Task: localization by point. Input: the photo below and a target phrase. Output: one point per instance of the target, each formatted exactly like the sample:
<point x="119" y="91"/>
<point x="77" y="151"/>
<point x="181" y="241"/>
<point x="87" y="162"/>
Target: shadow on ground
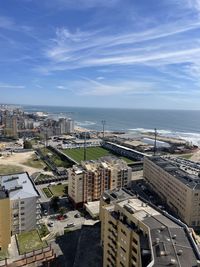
<point x="81" y="248"/>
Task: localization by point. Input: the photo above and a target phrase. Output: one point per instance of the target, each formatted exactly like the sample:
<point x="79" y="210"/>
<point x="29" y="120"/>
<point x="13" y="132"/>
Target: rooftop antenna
<point x="85" y="146"/>
<point x="155" y="147"/>
<point x="103" y="124"/>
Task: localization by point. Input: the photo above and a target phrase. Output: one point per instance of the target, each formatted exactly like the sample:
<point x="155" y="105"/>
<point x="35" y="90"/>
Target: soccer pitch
<point x="92" y="153"/>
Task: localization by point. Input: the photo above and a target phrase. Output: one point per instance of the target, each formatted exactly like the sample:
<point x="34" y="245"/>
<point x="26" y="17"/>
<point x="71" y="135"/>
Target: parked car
<point x="50" y="224"/>
<point x="45" y="212"/>
<point x="70" y="225"/>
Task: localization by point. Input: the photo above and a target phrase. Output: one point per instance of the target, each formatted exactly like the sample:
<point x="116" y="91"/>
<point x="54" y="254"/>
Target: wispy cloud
<point x="61" y="87"/>
<point x="155" y="46"/>
<point x="91" y="87"/>
<point x="81" y="4"/>
<point x="11" y="86"/>
<point x="6" y="22"/>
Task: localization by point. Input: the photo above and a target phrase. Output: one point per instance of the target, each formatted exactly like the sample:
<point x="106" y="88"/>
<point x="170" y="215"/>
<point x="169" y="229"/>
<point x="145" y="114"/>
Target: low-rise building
<point x="135" y="234"/>
<point x="88" y="181"/>
<point x="179" y="190"/>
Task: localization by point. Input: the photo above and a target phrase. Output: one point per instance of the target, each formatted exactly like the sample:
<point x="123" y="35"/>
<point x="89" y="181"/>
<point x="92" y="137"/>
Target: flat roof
<point x="93" y="208"/>
<point x="169" y="240"/>
<point x="115" y="195"/>
<point x="190" y="180"/>
<point x="18" y="186"/>
<point x="3" y="193"/>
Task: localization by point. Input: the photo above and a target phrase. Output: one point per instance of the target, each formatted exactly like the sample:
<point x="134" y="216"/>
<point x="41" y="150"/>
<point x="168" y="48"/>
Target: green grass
<point x="10" y="169"/>
<point x="29" y="241"/>
<point x="55" y="158"/>
<point x="42" y="177"/>
<point x="47" y="192"/>
<point x="67" y="231"/>
<point x="34" y="162"/>
<point x="43" y="230"/>
<point x="185" y="156"/>
<point x="92" y="153"/>
<point x="3" y="255"/>
<point x="58" y="190"/>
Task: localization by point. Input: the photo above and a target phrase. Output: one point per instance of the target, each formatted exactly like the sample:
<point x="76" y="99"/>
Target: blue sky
<point x="104" y="53"/>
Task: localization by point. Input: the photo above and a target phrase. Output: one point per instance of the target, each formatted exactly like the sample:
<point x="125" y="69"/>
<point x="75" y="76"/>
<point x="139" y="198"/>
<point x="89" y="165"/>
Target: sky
<point x="100" y="53"/>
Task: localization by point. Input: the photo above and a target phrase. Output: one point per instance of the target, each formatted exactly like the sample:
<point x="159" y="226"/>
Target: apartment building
<point x="136" y="235"/>
<point x="179" y="190"/>
<point x="88" y="181"/>
<point x="109" y="197"/>
<point x="5" y="217"/>
<point x="23" y="201"/>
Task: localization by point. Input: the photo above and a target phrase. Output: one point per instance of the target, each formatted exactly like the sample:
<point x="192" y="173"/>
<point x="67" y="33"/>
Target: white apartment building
<point x="24" y="204"/>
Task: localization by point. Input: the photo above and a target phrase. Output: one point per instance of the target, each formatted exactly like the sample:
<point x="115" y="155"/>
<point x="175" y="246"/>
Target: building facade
<point x="136" y="235"/>
<point x="179" y="190"/>
<point x="88" y="181"/>
<point x="5" y="220"/>
<point x="23" y="200"/>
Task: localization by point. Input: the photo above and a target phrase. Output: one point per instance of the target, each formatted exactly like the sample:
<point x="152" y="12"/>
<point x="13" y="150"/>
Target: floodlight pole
<point x="103" y="124"/>
<point x="85" y="147"/>
<point x="155" y="140"/>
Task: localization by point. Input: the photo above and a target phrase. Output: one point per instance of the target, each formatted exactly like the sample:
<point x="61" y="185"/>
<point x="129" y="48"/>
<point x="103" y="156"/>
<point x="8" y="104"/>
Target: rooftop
<point x="18" y="186"/>
<point x="190" y="180"/>
<point x="93" y="208"/>
<point x="170" y="242"/>
<point x="3" y="193"/>
<point x="104" y="162"/>
<point x="115" y="195"/>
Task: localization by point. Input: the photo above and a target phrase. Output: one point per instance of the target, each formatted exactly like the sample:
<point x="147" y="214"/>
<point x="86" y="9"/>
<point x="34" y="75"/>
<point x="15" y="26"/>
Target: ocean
<point x="177" y="123"/>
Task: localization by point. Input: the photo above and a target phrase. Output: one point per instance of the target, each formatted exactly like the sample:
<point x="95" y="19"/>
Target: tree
<point x="27" y="144"/>
<point x="62" y="211"/>
<point x="54" y="202"/>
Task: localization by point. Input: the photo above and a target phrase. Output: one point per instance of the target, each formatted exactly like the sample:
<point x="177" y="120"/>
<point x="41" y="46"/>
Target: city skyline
<point x="113" y="53"/>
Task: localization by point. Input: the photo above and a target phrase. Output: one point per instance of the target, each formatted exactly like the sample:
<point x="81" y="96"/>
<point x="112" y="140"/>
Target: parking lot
<point x="189" y="166"/>
<point x="56" y="226"/>
<point x="143" y="190"/>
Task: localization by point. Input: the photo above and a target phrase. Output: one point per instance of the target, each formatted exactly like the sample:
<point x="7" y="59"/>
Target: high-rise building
<point x="88" y="181"/>
<point x="23" y="202"/>
<point x="179" y="190"/>
<point x="66" y="125"/>
<point x="10" y="124"/>
<point x="137" y="235"/>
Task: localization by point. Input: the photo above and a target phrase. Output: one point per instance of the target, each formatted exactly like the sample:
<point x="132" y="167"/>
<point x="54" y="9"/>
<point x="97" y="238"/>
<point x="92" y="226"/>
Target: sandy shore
<point x="81" y="129"/>
<point x="196" y="156"/>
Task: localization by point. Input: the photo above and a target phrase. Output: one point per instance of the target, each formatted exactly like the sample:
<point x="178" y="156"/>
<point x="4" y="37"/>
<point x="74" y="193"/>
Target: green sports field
<point x="92" y="153"/>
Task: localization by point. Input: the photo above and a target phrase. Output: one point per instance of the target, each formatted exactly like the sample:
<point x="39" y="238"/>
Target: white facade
<point x="23" y="196"/>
